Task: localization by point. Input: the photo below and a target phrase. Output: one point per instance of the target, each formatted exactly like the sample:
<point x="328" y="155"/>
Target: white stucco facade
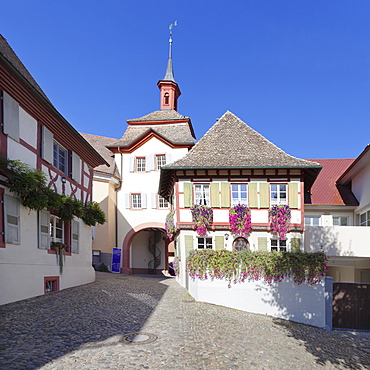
<point x="35" y="134"/>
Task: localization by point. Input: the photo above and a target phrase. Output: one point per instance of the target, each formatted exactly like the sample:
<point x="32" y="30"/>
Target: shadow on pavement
<point x="33" y="332"/>
<point x="338" y="348"/>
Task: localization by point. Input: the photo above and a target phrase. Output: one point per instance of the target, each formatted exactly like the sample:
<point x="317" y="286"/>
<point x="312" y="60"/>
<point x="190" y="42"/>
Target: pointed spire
<point x="169" y="89"/>
<point x="169" y="76"/>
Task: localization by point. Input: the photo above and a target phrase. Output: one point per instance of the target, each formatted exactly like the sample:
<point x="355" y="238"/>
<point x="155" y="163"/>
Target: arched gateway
<point x="145" y="250"/>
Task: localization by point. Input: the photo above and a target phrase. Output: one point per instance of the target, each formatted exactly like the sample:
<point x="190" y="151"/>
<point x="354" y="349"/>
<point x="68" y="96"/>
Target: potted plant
<point x="60" y="249"/>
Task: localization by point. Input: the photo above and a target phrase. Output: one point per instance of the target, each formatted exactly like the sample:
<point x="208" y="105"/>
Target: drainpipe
<point x="118" y="188"/>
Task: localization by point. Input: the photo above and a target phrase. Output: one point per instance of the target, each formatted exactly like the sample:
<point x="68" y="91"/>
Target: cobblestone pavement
<point x="84" y="328"/>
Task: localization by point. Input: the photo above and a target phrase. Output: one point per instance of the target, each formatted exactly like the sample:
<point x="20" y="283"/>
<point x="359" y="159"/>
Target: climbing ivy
<point x="31" y="187"/>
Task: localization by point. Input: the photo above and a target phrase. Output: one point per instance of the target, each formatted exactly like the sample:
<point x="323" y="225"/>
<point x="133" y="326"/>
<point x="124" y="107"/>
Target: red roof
<point x="324" y="191"/>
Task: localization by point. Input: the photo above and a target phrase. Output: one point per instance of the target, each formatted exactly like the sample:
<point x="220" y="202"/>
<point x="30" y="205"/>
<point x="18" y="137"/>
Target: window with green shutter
<point x="253" y="195"/>
<point x="188" y="244"/>
<point x="295" y="245"/>
<point x="215" y="194"/>
<point x="293" y="195"/>
<point x="262" y="244"/>
<point x="264" y="195"/>
<point x="219" y="243"/>
<point x="188" y="195"/>
<point x="225" y="195"/>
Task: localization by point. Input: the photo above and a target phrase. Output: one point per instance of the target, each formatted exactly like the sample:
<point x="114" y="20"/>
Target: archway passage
<point x="240" y="244"/>
<point x="145" y="250"/>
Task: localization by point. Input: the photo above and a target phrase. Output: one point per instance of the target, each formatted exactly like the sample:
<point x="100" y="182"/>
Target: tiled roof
<point x="99" y="143"/>
<point x="324" y="191"/>
<point x="179" y="133"/>
<point x="230" y="143"/>
<point x="160" y="115"/>
<point x="12" y="58"/>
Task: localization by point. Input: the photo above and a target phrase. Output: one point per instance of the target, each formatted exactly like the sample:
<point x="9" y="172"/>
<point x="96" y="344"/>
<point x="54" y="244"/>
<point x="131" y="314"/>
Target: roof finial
<point x="170" y="40"/>
<point x="169" y="71"/>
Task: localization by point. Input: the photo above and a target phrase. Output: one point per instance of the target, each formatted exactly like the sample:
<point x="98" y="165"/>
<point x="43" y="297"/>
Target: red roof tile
<point x="324" y="190"/>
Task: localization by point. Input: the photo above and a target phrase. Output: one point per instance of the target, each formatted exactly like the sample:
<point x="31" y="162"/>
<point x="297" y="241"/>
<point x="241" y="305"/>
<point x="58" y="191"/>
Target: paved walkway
<point x="85" y="328"/>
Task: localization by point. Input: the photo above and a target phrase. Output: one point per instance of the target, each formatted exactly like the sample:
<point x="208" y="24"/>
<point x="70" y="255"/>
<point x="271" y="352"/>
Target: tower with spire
<point x="149" y="143"/>
<point x="169" y="89"/>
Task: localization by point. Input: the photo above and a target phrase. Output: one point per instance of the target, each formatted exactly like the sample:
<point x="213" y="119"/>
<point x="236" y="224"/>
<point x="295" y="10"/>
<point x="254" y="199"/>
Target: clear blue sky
<point x="296" y="71"/>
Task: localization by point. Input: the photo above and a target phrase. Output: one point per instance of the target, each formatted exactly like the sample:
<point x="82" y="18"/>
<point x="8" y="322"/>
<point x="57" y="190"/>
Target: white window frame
<point x="364" y="218"/>
<point x="278" y="190"/>
<point x="55" y="223"/>
<point x="279" y="245"/>
<point x="160" y="160"/>
<point x="340" y="221"/>
<point x="12" y="219"/>
<point x="202" y="194"/>
<point x="136" y="201"/>
<point x="309" y="221"/>
<point x="58" y="149"/>
<point x="162" y="203"/>
<point x="140" y="164"/>
<point x="205" y="241"/>
<point x="236" y="194"/>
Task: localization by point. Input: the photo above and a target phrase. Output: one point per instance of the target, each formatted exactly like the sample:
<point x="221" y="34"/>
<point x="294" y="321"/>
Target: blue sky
<point x="296" y="71"/>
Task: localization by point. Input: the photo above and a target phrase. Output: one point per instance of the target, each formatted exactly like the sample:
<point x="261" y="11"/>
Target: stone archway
<point x="128" y="240"/>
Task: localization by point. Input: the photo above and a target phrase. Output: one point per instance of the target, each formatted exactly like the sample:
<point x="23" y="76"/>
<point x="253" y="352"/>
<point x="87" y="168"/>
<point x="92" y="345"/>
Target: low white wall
<point x="307" y="304"/>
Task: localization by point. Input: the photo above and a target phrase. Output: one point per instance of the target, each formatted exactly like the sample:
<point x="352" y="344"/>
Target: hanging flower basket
<point x="170" y="225"/>
<point x="280" y="220"/>
<point x="202" y="218"/>
<point x="61" y="250"/>
<point x="240" y="220"/>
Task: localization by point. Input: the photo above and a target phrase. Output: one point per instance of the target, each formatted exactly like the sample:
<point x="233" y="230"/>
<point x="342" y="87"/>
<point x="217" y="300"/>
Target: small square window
<point x="204" y="243"/>
<point x="239" y="194"/>
<point x="162" y="203"/>
<point x="140" y="164"/>
<point x="51" y="284"/>
<point x="278" y="194"/>
<point x="278" y="245"/>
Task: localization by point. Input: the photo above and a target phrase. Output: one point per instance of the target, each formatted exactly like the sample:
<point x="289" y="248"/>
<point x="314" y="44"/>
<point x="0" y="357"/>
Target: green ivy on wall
<point x="31" y="187"/>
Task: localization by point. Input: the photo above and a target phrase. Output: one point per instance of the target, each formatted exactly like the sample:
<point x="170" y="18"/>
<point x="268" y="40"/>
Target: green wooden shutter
<point x="293" y="195"/>
<point x="253" y="196"/>
<point x="188" y="244"/>
<point x="295" y="245"/>
<point x="225" y="195"/>
<point x="219" y="243"/>
<point x="264" y="195"/>
<point x="188" y="195"/>
<point x="262" y="244"/>
<point x="215" y="195"/>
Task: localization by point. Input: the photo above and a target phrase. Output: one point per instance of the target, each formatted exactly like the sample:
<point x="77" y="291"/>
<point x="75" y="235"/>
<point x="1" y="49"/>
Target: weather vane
<point x="170" y="40"/>
<point x="172" y="26"/>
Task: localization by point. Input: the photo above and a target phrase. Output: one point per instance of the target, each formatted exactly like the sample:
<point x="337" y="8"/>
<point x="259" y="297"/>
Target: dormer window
<point x="166" y="98"/>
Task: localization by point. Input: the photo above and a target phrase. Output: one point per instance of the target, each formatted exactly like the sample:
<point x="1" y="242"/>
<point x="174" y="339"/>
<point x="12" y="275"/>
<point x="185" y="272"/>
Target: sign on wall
<point x="116" y="260"/>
